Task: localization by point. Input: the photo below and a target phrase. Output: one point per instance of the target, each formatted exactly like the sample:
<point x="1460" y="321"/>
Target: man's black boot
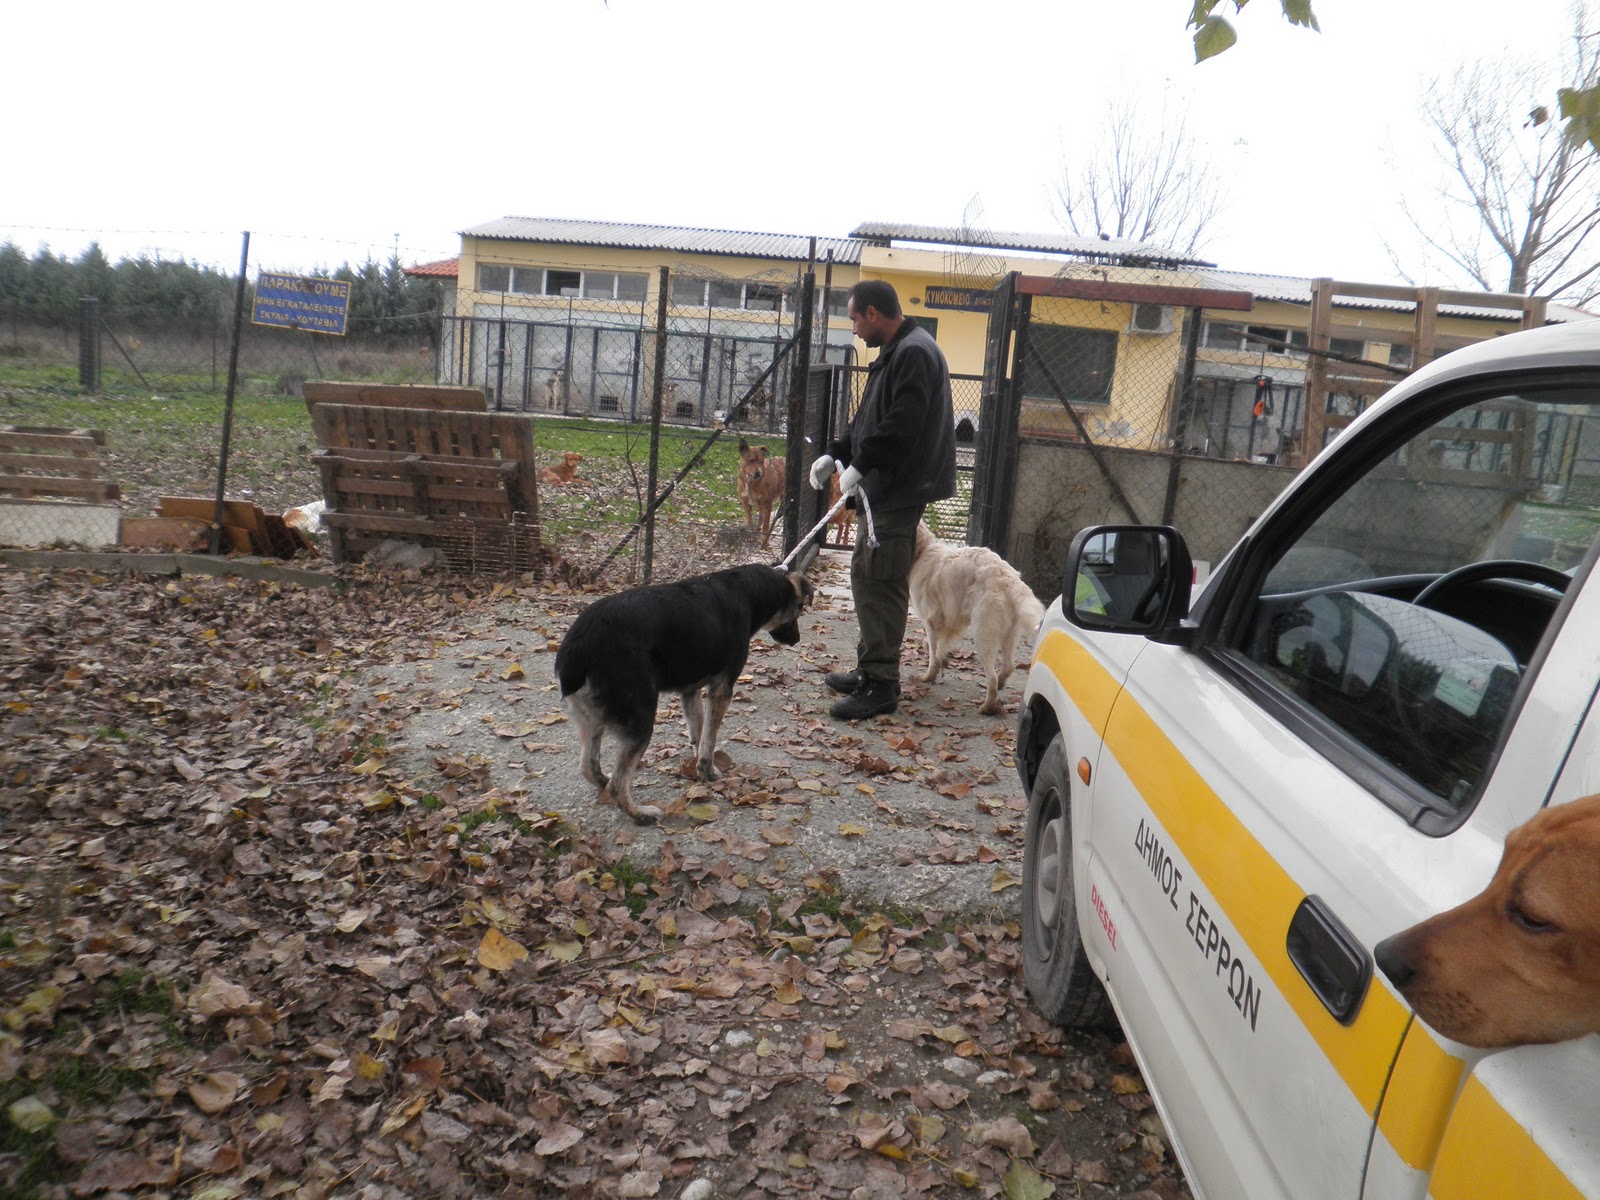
<point x="843" y="682"/>
<point x="874" y="696"/>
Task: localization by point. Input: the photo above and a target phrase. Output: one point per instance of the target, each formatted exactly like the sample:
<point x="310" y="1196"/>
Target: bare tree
<point x="1520" y="197"/>
<point x="1140" y="182"/>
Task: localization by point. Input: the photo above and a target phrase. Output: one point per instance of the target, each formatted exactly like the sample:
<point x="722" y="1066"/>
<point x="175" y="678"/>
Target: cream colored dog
<point x="954" y="588"/>
<point x="1519" y="963"/>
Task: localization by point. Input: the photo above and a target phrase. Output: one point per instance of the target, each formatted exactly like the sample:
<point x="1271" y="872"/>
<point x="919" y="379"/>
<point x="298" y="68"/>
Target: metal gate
<point x="1088" y="396"/>
<point x="834" y="393"/>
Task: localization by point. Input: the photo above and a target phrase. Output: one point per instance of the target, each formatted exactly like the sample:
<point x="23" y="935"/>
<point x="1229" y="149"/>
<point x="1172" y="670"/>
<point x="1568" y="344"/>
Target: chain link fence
<point x="1101" y="409"/>
<point x="640" y="391"/>
<point x="947" y="518"/>
<point x="589" y="368"/>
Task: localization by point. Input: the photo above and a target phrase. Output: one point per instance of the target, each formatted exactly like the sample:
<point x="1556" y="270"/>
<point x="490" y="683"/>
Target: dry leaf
<point x="560" y="1138"/>
<point x="30" y="1114"/>
<point x="402" y="1113"/>
<point x="498" y="952"/>
<point x="215" y="1092"/>
<point x="1007" y="1133"/>
<point x="605" y="1047"/>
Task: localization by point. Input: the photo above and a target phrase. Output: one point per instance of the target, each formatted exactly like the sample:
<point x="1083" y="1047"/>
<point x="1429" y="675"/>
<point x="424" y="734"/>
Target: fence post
<point x="89" y="343"/>
<point x="1185" y="403"/>
<point x="795" y="447"/>
<point x="227" y="404"/>
<point x="656" y="389"/>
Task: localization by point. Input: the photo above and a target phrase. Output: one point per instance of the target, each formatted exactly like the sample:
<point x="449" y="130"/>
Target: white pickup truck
<point x="1233" y="797"/>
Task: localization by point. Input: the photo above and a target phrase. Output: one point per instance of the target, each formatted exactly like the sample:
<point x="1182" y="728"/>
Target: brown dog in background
<point x="957" y="587"/>
<point x="1519" y="963"/>
<point x="844" y="520"/>
<point x="760" y="486"/>
<point x="563" y="472"/>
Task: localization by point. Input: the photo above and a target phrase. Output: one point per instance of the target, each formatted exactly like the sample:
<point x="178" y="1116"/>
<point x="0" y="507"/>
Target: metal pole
<point x="799" y="374"/>
<point x="227" y="404"/>
<point x="1180" y="424"/>
<point x="656" y="390"/>
<point x="89" y="344"/>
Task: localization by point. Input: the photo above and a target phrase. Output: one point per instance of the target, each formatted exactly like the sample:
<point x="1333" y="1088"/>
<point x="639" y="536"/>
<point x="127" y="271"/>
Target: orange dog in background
<point x="1519" y="963"/>
<point x="760" y="486"/>
<point x="563" y="472"/>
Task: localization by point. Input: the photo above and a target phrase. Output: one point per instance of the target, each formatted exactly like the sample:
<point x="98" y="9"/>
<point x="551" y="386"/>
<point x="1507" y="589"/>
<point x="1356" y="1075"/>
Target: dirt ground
<point x="301" y="895"/>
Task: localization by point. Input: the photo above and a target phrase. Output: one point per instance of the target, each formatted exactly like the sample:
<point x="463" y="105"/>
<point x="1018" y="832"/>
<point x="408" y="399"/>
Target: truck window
<point x="1407" y="611"/>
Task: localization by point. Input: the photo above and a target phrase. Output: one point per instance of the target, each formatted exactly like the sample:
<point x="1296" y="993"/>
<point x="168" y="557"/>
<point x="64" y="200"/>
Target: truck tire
<point x="1058" y="975"/>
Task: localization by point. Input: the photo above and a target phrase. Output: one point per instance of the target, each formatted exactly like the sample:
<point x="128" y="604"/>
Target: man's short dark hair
<point x="875" y="293"/>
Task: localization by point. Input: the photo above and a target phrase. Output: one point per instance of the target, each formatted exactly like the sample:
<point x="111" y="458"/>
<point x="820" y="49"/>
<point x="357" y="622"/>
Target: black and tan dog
<point x="691" y="637"/>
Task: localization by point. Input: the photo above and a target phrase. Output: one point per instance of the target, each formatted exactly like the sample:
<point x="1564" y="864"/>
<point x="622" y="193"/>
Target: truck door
<point x="1515" y="1122"/>
<point x="1301" y="780"/>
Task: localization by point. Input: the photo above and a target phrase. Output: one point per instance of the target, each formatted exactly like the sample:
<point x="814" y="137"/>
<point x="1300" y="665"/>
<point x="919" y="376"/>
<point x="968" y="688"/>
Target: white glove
<point x="849" y="481"/>
<point x="820" y="470"/>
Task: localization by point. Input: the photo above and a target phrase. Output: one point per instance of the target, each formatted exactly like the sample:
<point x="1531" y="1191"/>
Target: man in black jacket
<point x="900" y="450"/>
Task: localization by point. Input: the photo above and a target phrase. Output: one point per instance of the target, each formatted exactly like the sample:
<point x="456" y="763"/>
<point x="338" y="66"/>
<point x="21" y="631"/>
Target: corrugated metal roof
<point x="883" y="232"/>
<point x="1291" y="289"/>
<point x="791" y="247"/>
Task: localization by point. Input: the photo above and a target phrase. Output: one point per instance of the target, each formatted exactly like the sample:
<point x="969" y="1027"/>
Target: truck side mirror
<point x="1129" y="579"/>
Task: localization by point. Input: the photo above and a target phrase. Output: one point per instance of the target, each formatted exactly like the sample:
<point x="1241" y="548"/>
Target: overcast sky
<point x="339" y="131"/>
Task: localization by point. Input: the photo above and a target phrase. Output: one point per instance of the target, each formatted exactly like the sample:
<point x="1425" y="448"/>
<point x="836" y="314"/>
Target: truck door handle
<point x="1330" y="959"/>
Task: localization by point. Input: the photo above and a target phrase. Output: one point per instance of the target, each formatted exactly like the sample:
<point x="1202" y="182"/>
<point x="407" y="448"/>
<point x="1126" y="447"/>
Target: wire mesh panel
<point x="591" y="366"/>
<point x="1115" y="422"/>
<point x="947" y="518"/>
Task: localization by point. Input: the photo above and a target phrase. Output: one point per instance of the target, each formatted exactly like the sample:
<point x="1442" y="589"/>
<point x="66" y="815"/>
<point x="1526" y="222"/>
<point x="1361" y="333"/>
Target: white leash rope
<point x="866" y="507"/>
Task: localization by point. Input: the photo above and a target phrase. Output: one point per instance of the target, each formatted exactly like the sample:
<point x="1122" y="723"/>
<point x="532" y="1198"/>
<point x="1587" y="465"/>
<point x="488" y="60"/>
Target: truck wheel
<point x="1059" y="977"/>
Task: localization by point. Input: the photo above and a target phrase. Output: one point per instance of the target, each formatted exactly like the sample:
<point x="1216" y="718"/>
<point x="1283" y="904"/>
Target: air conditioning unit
<point x="1150" y="318"/>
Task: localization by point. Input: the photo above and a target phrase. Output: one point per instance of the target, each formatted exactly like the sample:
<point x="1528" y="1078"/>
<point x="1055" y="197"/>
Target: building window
<point x="1347" y="347"/>
<point x="763" y="297"/>
<point x="631" y="286"/>
<point x="527" y="280"/>
<point x="1080" y="361"/>
<point x="688" y="291"/>
<point x="1219" y="335"/>
<point x="1254" y="339"/>
<point x="1399" y="356"/>
<point x="563" y="283"/>
<point x="726" y="295"/>
<point x="492" y="278"/>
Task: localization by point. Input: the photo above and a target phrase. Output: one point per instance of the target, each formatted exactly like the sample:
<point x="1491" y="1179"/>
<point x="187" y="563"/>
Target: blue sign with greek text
<point x="296" y="302"/>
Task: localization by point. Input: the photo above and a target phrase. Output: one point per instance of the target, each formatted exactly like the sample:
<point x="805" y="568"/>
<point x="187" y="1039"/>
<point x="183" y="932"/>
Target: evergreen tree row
<point x="144" y="292"/>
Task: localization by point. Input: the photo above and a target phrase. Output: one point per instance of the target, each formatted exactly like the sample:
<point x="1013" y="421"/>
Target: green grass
<point x="78" y="1080"/>
<point x="133" y="992"/>
<point x="628" y="877"/>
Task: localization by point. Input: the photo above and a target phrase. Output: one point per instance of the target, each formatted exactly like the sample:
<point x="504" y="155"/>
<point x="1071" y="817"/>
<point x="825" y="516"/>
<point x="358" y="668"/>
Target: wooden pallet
<point x="411" y="474"/>
<point x="394" y="395"/>
<point x="45" y="462"/>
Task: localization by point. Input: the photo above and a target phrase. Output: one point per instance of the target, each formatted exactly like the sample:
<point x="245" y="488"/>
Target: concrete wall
<point x="1060" y="490"/>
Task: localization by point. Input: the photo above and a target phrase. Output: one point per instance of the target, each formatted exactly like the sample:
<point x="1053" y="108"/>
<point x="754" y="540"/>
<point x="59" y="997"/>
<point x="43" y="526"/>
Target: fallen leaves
<point x="297" y="949"/>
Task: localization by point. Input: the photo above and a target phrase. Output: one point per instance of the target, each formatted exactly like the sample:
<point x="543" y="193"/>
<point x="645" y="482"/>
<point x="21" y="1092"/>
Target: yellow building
<point x="559" y="315"/>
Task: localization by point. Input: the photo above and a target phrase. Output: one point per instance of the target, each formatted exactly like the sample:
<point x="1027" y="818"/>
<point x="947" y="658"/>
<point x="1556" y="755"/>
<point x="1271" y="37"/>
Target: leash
<point x="807" y="542"/>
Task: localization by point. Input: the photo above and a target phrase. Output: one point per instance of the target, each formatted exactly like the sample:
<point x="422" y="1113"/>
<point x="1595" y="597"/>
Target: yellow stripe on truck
<point x="1488" y="1153"/>
<point x="1260" y="898"/>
